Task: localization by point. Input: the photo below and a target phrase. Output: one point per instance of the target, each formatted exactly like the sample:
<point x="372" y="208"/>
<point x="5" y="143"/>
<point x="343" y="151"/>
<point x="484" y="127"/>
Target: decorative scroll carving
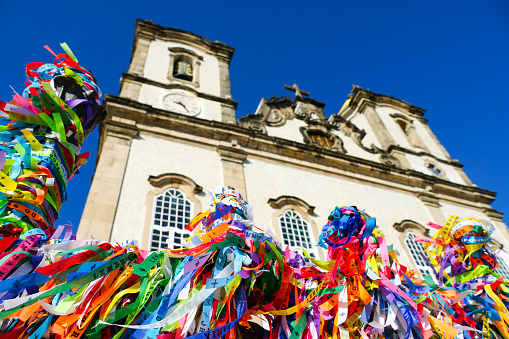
<point x="309" y="109"/>
<point x="254" y="122"/>
<point x="273" y="112"/>
<point x="389" y="160"/>
<point x="302" y="111"/>
<point x="352" y="131"/>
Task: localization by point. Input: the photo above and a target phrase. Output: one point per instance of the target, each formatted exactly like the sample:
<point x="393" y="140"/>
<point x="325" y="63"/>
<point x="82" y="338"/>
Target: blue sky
<point x="449" y="58"/>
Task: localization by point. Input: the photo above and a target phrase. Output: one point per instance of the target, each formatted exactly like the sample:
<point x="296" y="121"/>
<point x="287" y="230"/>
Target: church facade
<point x="172" y="135"/>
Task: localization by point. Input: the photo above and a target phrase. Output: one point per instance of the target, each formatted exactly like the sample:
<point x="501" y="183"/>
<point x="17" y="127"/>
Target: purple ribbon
<point x="75" y="102"/>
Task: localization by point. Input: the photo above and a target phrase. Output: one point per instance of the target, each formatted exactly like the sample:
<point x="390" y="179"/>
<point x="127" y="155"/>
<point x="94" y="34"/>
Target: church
<point x="172" y="136"/>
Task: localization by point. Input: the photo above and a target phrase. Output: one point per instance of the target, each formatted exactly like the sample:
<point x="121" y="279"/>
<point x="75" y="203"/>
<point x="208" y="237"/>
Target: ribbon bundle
<point x="228" y="280"/>
<point x="40" y="141"/>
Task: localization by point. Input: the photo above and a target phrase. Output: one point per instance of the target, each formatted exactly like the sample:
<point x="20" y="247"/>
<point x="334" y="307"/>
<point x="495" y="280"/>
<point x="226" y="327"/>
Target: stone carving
<point x="322" y="137"/>
<point x="254" y="122"/>
<point x="352" y="131"/>
<point x="389" y="160"/>
<point x="273" y="112"/>
<point x="275" y="117"/>
<point x="302" y="111"/>
<point x="309" y="110"/>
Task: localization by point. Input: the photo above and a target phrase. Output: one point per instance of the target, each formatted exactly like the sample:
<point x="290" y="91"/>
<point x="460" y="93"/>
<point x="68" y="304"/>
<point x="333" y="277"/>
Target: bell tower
<point x="177" y="83"/>
<point x="180" y="72"/>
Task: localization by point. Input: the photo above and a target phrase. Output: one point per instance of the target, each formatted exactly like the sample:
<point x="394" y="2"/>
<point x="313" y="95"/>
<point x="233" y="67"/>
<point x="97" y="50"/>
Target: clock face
<point x="183" y="104"/>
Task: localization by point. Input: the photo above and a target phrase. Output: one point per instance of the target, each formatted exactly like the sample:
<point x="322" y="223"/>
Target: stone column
<point x="377" y="126"/>
<point x="101" y="206"/>
<point x="431" y="203"/>
<point x="130" y="89"/>
<point x="496" y="218"/>
<point x="224" y="79"/>
<point x="228" y="113"/>
<point x="233" y="168"/>
<point x="227" y="110"/>
<point x="139" y="57"/>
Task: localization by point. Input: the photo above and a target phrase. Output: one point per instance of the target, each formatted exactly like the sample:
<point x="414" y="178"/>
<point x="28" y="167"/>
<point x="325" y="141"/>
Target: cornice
<point x="493" y="213"/>
<point x="142" y="80"/>
<point x="181" y="50"/>
<point x="232" y="154"/>
<point x="209" y="133"/>
<point x="149" y="30"/>
<point x="429" y="199"/>
<point x="121" y="131"/>
<point x="310" y="101"/>
<point x="454" y="163"/>
<point x="359" y="95"/>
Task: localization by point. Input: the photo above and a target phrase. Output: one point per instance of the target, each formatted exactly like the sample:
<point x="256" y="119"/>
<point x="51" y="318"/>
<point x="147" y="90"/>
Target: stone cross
<point x="298" y="92"/>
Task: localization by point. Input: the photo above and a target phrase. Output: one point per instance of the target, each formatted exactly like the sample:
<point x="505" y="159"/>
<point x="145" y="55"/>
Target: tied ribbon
<point x="88" y="104"/>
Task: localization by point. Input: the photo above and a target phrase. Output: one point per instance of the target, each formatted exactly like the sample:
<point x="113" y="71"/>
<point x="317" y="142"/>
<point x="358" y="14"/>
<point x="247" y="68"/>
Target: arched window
<point x="184" y="65"/>
<point x="503" y="268"/>
<point x="434" y="169"/>
<point x="408" y="127"/>
<point x="403" y="125"/>
<point x="295" y="231"/>
<point x="416" y="248"/>
<point x="172" y="212"/>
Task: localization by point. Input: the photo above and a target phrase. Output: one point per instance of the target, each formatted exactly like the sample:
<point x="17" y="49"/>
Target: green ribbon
<point x="85" y="279"/>
<point x="299" y="328"/>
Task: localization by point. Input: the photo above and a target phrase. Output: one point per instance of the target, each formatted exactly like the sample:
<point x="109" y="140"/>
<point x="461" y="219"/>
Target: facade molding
<point x="493" y="214"/>
<point x="428" y="199"/>
<point x="184" y="85"/>
<point x="185" y="51"/>
<point x="285" y="200"/>
<point x="209" y="133"/>
<point x="149" y="30"/>
<point x="361" y="97"/>
<point x="454" y="163"/>
<point x="232" y="154"/>
<point x="350" y="130"/>
<point x="410" y="225"/>
<point x="397" y="116"/>
<point x="431" y="203"/>
<point x="172" y="178"/>
<point x="377" y="125"/>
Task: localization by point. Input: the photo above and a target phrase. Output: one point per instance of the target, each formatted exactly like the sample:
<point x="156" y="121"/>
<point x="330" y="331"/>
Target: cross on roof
<point x="298" y="92"/>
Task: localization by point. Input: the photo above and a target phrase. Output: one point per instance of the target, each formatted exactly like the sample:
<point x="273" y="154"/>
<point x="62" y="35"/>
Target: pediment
<point x="303" y="120"/>
<point x="275" y="112"/>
